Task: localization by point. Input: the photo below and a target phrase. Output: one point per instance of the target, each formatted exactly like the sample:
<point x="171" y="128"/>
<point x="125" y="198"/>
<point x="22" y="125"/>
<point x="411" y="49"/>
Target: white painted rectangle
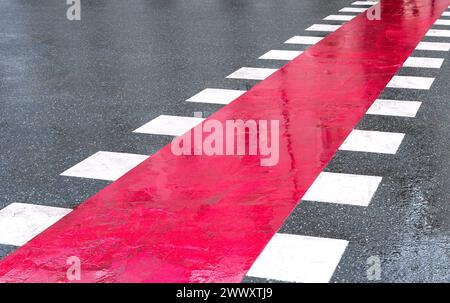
<point x="442" y="22"/>
<point x="411" y="82"/>
<point x="372" y="141"/>
<point x="301" y="259"/>
<point x="423" y="62"/>
<point x="365" y="3"/>
<point x="252" y="73"/>
<point x="216" y="96"/>
<point x="339" y="17"/>
<point x="434" y="46"/>
<point x="343" y="189"/>
<point x="438" y="33"/>
<point x="308" y="40"/>
<point x="280" y="55"/>
<point x="105" y="166"/>
<point x="397" y="108"/>
<point x="169" y="125"/>
<point x="353" y="9"/>
<point x="20" y="222"/>
<point x="446" y="14"/>
<point x="323" y="28"/>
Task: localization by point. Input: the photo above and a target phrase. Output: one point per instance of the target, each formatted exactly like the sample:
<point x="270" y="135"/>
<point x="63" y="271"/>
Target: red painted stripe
<point x="202" y="218"/>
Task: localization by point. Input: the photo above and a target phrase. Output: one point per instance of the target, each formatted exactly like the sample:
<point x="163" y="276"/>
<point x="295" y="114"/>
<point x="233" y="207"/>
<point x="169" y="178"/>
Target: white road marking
<point x="339" y="17"/>
<point x="394" y="108"/>
<point x="411" y="82"/>
<point x="105" y="166"/>
<point x="323" y="28"/>
<point x="20" y="222"/>
<point x="438" y="33"/>
<point x="294" y="258"/>
<point x="309" y="40"/>
<point x="442" y="22"/>
<point x="169" y="125"/>
<point x="372" y="141"/>
<point x="434" y="46"/>
<point x="365" y="3"/>
<point x="216" y="96"/>
<point x="353" y="9"/>
<point x="343" y="189"/>
<point x="280" y="55"/>
<point x="423" y="62"/>
<point x="446" y="14"/>
<point x="252" y="73"/>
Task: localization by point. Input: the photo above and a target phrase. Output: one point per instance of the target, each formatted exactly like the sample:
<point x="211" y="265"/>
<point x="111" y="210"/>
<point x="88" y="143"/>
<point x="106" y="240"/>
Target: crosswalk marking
<point x="438" y="33"/>
<point x="20" y="222"/>
<point x="343" y="189"/>
<point x="302" y="259"/>
<point x="216" y="96"/>
<point x="442" y="22"/>
<point x="309" y="40"/>
<point x="372" y="141"/>
<point x="252" y="73"/>
<point x="105" y="166"/>
<point x="169" y="125"/>
<point x="323" y="28"/>
<point x="280" y="55"/>
<point x="423" y="62"/>
<point x="353" y="9"/>
<point x="394" y="108"/>
<point x="433" y="46"/>
<point x="411" y="82"/>
<point x="365" y="3"/>
<point x="339" y="17"/>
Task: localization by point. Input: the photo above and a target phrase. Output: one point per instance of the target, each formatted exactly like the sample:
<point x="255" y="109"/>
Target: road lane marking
<point x="216" y="96"/>
<point x="397" y="108"/>
<point x="20" y="222"/>
<point x="252" y="73"/>
<point x="309" y="40"/>
<point x="340" y="188"/>
<point x="169" y="125"/>
<point x="280" y="55"/>
<point x="301" y="259"/>
<point x="411" y="82"/>
<point x="372" y="141"/>
<point x="105" y="165"/>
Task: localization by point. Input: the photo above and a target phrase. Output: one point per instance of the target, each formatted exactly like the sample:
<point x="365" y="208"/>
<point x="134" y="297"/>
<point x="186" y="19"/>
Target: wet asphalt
<point x="69" y="89"/>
